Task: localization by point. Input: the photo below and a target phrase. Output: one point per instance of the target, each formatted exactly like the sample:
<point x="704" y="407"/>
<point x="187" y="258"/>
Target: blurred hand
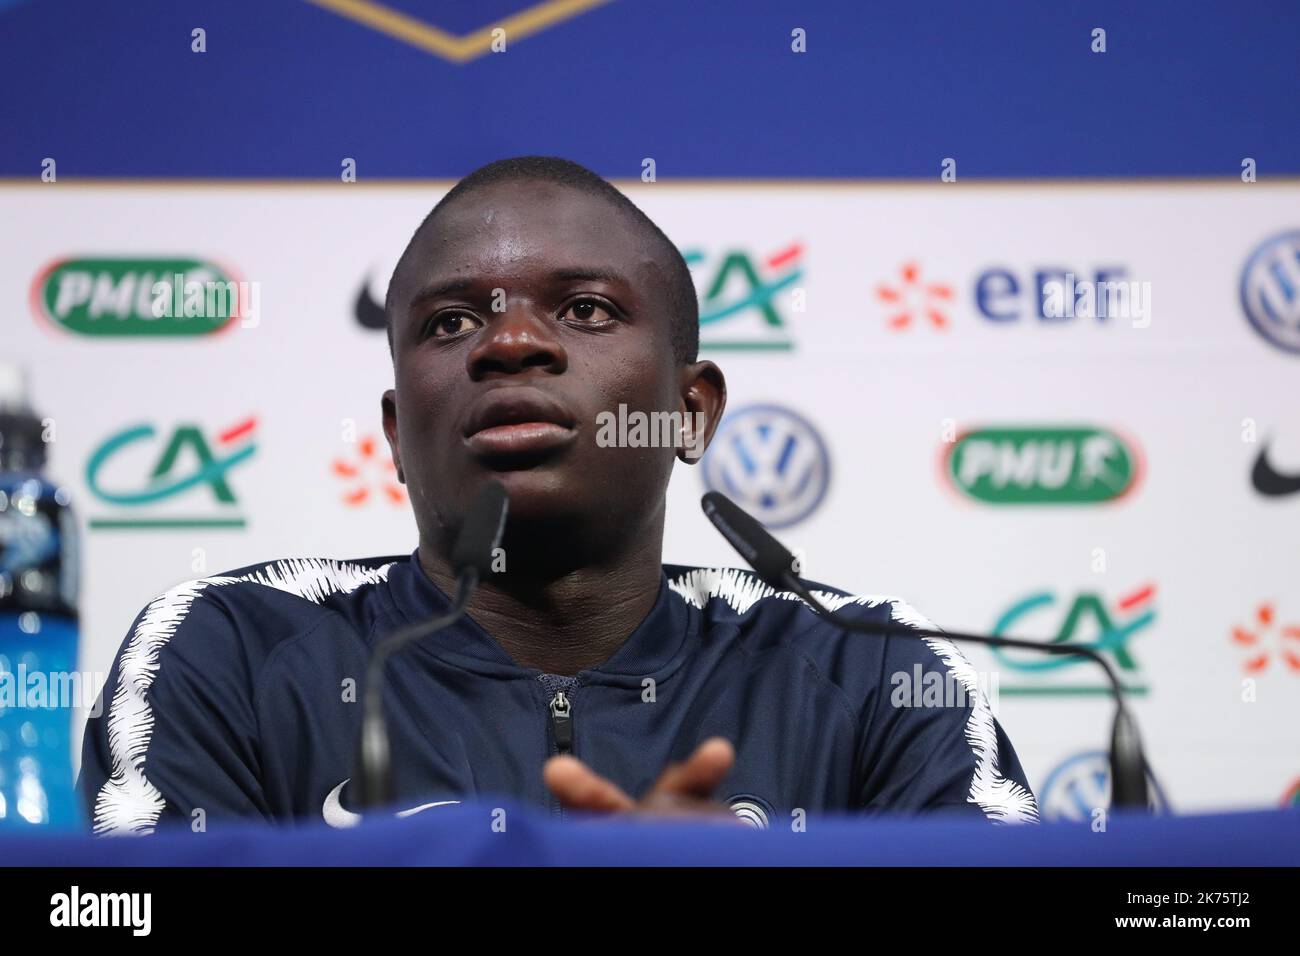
<point x="683" y="790"/>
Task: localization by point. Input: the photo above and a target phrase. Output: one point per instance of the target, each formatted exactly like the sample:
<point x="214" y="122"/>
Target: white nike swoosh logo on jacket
<point x="337" y="815"/>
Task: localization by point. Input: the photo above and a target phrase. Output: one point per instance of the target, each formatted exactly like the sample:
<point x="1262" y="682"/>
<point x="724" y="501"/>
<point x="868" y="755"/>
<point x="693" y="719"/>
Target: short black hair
<point x="681" y="296"/>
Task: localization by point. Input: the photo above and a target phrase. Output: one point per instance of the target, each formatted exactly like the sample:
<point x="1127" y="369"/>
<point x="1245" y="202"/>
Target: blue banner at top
<point x="722" y="88"/>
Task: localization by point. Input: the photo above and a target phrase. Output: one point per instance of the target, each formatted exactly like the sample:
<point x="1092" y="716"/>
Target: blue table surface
<point x="464" y="835"/>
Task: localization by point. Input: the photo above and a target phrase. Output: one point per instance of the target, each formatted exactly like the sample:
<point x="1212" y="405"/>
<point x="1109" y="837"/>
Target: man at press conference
<point x="586" y="675"/>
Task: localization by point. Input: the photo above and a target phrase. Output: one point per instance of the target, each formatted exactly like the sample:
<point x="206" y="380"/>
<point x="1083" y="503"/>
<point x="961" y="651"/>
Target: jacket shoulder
<point x="733" y="592"/>
<point x="266" y="602"/>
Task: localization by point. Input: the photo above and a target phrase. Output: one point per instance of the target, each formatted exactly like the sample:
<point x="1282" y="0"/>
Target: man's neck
<point x="570" y="623"/>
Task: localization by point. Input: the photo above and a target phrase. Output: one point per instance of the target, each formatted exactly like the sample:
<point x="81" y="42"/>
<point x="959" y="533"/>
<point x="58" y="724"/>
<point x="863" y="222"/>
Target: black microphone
<point x="471" y="559"/>
<point x="776" y="567"/>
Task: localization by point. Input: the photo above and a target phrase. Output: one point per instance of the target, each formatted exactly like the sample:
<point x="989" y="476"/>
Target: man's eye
<point x="588" y="312"/>
<point x="452" y="323"/>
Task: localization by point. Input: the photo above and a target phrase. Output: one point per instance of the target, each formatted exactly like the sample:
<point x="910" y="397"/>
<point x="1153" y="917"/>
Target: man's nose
<point x="518" y="339"/>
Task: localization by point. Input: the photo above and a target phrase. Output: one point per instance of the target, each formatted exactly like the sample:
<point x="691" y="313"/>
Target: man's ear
<point x="704" y="398"/>
<point x="388" y="405"/>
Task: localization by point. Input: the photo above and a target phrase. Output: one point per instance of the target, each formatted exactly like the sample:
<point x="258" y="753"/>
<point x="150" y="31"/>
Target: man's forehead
<point x="535" y="228"/>
<point x="536" y="213"/>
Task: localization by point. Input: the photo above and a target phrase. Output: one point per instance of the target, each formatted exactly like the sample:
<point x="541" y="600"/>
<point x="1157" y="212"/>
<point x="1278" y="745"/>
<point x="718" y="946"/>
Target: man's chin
<point x="538" y="491"/>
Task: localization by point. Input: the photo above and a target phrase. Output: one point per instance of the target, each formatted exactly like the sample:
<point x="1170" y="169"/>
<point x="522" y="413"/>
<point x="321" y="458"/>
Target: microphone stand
<point x="774" y="564"/>
<point x="1128" y="770"/>
<point x="374" y="758"/>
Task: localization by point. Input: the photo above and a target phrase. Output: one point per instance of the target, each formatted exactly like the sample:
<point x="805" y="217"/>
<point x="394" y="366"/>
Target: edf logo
<point x="1003" y="296"/>
<point x="1270" y="291"/>
<point x="771" y="462"/>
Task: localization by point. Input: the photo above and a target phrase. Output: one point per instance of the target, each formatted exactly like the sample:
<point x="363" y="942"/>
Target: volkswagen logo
<point x="771" y="462"/>
<point x="1270" y="291"/>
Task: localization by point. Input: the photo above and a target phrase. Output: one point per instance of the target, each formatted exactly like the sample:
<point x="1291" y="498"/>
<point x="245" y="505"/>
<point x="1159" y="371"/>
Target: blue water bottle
<point x="39" y="682"/>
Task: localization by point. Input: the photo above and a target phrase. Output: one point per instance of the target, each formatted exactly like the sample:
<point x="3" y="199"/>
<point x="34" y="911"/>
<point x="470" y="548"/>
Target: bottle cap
<point x="13" y="388"/>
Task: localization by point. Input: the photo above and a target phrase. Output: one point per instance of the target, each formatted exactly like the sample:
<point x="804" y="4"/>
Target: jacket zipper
<point x="562" y="725"/>
<point x="562" y="722"/>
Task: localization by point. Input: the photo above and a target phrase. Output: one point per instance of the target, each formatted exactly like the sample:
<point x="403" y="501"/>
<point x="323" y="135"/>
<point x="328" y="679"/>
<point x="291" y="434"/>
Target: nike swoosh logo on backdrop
<point x="1269" y="481"/>
<point x="339" y="816"/>
<point x="368" y="312"/>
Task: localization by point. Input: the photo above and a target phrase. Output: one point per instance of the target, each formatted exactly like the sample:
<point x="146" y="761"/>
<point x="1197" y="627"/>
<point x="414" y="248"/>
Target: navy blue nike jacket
<point x="238" y="695"/>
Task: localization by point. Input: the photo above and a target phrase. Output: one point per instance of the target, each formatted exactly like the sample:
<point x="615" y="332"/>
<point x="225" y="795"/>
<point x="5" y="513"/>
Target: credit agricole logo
<point x="138" y="296"/>
<point x="1042" y="465"/>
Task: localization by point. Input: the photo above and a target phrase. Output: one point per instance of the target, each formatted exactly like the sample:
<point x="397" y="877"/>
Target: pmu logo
<point x="742" y="296"/>
<point x="1270" y="291"/>
<point x="771" y="462"/>
<point x="156" y="480"/>
<point x="139" y="297"/>
<point x="1086" y="621"/>
<point x="1042" y="465"/>
<point x="1080" y="785"/>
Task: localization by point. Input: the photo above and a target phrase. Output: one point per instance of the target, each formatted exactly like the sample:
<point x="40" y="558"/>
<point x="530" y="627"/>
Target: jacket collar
<point x="654" y="649"/>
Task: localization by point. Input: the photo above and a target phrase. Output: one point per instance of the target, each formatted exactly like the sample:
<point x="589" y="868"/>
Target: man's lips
<point x="526" y="439"/>
<point x="517" y="420"/>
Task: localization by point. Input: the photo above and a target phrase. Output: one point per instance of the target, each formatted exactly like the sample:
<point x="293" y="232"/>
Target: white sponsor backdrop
<point x="1181" y="389"/>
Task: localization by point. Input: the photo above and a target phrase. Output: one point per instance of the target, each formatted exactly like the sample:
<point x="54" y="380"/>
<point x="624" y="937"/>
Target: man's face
<point x="524" y="311"/>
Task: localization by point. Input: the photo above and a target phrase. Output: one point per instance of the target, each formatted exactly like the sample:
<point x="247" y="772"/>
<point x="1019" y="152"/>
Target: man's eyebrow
<point x="588" y="275"/>
<point x="568" y="274"/>
<point x="435" y="289"/>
